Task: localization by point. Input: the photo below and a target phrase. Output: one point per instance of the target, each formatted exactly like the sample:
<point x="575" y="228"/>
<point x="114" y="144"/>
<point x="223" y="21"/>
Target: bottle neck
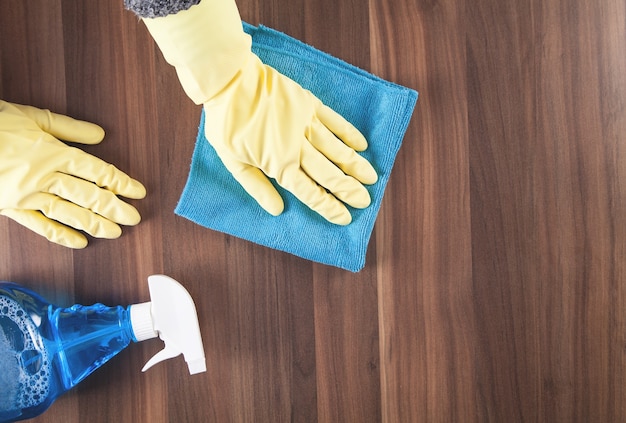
<point x="141" y="321"/>
<point x="86" y="337"/>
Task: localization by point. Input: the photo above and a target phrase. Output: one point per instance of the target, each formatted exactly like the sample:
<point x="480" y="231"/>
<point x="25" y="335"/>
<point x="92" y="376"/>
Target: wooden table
<point x="495" y="281"/>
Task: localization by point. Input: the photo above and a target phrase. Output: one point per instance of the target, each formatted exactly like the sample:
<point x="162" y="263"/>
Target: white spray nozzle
<point x="172" y="316"/>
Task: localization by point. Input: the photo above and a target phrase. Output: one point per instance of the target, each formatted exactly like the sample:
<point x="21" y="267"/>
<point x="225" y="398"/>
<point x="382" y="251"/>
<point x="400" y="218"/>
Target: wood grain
<point x="494" y="289"/>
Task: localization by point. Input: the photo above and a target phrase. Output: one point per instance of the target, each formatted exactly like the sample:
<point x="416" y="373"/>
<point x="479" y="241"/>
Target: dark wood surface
<point x="495" y="281"/>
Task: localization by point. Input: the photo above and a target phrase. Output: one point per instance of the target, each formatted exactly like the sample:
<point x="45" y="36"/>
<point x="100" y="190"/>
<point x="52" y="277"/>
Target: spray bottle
<point x="46" y="350"/>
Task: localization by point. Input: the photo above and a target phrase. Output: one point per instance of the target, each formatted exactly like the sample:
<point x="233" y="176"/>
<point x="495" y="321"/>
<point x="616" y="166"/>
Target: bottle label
<point x="25" y="368"/>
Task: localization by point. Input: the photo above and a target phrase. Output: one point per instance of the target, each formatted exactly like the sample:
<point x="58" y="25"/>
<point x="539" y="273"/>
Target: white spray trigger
<point x="174" y="318"/>
<point x="165" y="354"/>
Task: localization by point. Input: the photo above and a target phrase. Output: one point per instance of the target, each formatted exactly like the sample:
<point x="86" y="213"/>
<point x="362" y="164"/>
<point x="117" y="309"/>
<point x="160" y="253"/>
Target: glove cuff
<point x="205" y="43"/>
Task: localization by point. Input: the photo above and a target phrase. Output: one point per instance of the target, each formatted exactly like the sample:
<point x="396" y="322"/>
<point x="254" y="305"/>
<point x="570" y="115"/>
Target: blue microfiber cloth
<point x="379" y="109"/>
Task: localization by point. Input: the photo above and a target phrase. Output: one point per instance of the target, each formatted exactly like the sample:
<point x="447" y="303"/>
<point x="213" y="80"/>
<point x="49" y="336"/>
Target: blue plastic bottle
<point x="47" y="350"/>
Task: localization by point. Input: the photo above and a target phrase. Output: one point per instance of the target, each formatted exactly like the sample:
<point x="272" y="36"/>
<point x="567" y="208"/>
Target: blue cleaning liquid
<point x="46" y="350"/>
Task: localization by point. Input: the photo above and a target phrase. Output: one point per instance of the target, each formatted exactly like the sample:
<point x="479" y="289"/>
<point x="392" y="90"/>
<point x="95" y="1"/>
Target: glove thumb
<point x="63" y="127"/>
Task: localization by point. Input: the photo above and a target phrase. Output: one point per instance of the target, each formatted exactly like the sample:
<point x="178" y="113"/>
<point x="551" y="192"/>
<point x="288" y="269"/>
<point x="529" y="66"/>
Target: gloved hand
<point x="50" y="187"/>
<point x="260" y="122"/>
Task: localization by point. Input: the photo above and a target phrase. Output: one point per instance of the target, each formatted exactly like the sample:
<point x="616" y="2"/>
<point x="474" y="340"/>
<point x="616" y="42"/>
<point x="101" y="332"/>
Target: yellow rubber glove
<point x="50" y="187"/>
<point x="260" y="122"/>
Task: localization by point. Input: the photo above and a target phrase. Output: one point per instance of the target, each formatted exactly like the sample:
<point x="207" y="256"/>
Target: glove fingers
<point x="104" y="174"/>
<point x="257" y="185"/>
<point x="50" y="229"/>
<point x="74" y="216"/>
<point x="316" y="197"/>
<point x="343" y="129"/>
<point x="91" y="197"/>
<point x="341" y="154"/>
<point x="64" y="127"/>
<point x="325" y="173"/>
